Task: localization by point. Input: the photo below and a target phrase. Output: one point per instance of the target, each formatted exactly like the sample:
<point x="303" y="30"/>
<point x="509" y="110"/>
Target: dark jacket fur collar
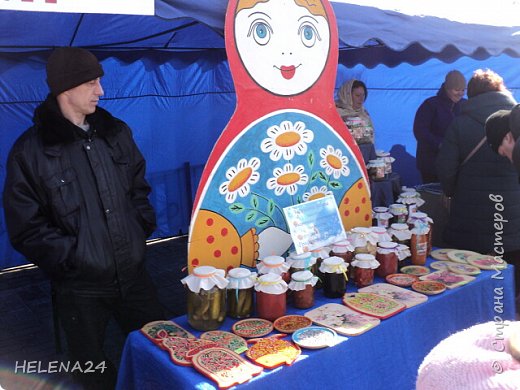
<point x="55" y="129"/>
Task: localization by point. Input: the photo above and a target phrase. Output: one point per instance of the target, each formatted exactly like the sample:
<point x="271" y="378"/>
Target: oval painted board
<point x="373" y="305"/>
<point x="225" y="367"/>
<point x="343" y="320"/>
<point x="158" y="330"/>
<point x="418" y="270"/>
<point x="441" y="264"/>
<point x="401" y="280"/>
<point x="399" y="294"/>
<point x="464" y="269"/>
<point x="429" y="287"/>
<point x="487" y="262"/>
<point x="291" y="323"/>
<point x="450" y="279"/>
<point x="314" y="337"/>
<point x="252" y="327"/>
<point x="226" y="340"/>
<point x="460" y="256"/>
<point x="441" y="254"/>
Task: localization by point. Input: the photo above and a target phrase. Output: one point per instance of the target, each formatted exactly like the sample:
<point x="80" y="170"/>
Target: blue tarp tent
<point x="167" y="76"/>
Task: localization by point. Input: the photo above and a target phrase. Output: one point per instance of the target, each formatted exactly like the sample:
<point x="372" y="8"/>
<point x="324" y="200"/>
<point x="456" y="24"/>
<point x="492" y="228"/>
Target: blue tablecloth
<point x="385" y="357"/>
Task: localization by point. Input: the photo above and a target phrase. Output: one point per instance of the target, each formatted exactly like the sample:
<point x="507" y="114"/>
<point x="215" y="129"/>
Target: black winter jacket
<point x="76" y="203"/>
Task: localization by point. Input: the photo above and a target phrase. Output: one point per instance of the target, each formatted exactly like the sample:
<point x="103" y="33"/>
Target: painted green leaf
<point x="251" y="216"/>
<point x="261" y="222"/>
<point x="237" y="208"/>
<point x="271" y="207"/>
<point x="336" y="185"/>
<point x="254" y="201"/>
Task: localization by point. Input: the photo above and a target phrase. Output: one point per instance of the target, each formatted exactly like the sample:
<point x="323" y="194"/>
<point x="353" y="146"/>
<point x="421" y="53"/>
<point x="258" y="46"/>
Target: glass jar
<point x="400" y="233"/>
<point x="419" y="242"/>
<point x="381" y="234"/>
<point x="334" y="271"/>
<point x="301" y="262"/>
<point x="320" y="254"/>
<point x="387" y="255"/>
<point x="274" y="265"/>
<point x="421" y="220"/>
<point x="206" y="304"/>
<point x="302" y="287"/>
<point x="411" y="199"/>
<point x="376" y="169"/>
<point x="364" y="266"/>
<point x="381" y="217"/>
<point x="271" y="296"/>
<point x="363" y="240"/>
<point x="399" y="212"/>
<point x="404" y="255"/>
<point x="240" y="292"/>
<point x="385" y="156"/>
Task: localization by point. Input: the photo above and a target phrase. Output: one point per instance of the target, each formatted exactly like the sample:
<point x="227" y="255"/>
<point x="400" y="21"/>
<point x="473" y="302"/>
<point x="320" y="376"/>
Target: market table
<point x="385" y="357"/>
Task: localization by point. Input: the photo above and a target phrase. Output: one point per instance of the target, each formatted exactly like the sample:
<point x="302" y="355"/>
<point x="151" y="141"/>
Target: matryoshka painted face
<point x="283" y="46"/>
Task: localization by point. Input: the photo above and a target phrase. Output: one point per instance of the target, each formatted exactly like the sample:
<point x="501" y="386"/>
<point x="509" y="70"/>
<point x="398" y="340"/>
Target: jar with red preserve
<point x="334" y="271"/>
<point x="419" y="244"/>
<point x="388" y="259"/>
<point x="206" y="304"/>
<point x="271" y="292"/>
<point x="302" y="287"/>
<point x="364" y="266"/>
<point x="274" y="265"/>
<point x="422" y="220"/>
<point x="301" y="262"/>
<point x="240" y="292"/>
<point x="319" y="254"/>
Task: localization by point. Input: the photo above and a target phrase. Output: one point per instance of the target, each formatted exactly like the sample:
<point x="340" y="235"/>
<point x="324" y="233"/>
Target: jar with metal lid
<point x="275" y="265"/>
<point x="302" y="286"/>
<point x="240" y="292"/>
<point x="376" y="169"/>
<point x="271" y="296"/>
<point x="301" y="262"/>
<point x="400" y="233"/>
<point x="387" y="255"/>
<point x="364" y="266"/>
<point x="420" y="219"/>
<point x="319" y="254"/>
<point x="206" y="304"/>
<point x="399" y="212"/>
<point x="363" y="240"/>
<point x="334" y="271"/>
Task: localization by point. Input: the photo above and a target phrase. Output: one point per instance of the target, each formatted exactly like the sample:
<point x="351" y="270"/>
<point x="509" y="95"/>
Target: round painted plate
<point x="486" y="262"/>
<point x="441" y="265"/>
<point x="418" y="270"/>
<point x="441" y="254"/>
<point x="252" y="327"/>
<point x="428" y="287"/>
<point x="402" y="280"/>
<point x="314" y="337"/>
<point x="226" y="340"/>
<point x="291" y="323"/>
<point x="460" y="256"/>
<point x="464" y="269"/>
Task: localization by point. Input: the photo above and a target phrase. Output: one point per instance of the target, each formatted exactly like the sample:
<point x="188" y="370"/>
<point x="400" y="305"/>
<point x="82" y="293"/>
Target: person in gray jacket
<point x="483" y="185"/>
<point x="76" y="204"/>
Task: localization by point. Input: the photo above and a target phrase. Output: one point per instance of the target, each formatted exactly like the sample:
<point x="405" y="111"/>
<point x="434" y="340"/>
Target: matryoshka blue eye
<point x="308" y="34"/>
<point x="261" y="32"/>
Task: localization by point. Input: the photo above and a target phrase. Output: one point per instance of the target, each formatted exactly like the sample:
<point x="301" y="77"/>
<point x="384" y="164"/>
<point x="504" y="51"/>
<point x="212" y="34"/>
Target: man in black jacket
<point x="76" y="205"/>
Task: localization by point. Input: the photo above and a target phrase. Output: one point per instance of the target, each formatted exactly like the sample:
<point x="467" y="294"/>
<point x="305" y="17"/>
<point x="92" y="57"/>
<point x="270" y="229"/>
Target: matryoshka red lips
<point x="288" y="71"/>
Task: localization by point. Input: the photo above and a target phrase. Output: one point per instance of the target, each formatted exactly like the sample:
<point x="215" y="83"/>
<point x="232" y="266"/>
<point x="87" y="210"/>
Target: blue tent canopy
<point x="167" y="76"/>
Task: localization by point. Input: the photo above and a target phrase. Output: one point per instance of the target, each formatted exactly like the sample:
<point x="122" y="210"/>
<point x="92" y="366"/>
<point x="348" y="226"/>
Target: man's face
<point x="506" y="147"/>
<point x="84" y="98"/>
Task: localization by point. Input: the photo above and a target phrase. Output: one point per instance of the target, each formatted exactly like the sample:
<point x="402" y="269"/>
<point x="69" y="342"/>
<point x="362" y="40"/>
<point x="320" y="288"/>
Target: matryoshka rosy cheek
<point x="283" y="46"/>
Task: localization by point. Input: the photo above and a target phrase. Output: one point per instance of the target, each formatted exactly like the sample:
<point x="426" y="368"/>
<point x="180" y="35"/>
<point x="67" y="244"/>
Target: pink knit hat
<point x="475" y="358"/>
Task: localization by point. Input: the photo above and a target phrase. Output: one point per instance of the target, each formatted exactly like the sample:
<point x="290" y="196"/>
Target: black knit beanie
<point x="497" y="126"/>
<point x="68" y="67"/>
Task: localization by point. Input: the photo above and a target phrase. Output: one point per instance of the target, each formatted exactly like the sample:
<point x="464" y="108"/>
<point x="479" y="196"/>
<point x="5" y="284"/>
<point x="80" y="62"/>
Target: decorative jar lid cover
<point x="365" y="260"/>
<point x="421" y="223"/>
<point x="400" y="231"/>
<point x="382" y="234"/>
<point x="382" y="153"/>
<point x="387" y="245"/>
<point x="272" y="264"/>
<point x="377" y="163"/>
<point x="271" y="284"/>
<point x="333" y="265"/>
<point x="360" y="236"/>
<point x="301" y="279"/>
<point x="403" y="252"/>
<point x="410" y="197"/>
<point x="398" y="208"/>
<point x="205" y="277"/>
<point x="343" y="246"/>
<point x="380" y="209"/>
<point x="303" y="260"/>
<point x="241" y="278"/>
<point x="320" y="253"/>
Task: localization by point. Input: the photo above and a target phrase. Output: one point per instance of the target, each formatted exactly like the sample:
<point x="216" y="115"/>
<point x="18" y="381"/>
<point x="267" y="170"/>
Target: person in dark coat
<point x="431" y="121"/>
<point x="484" y="187"/>
<point x="76" y="205"/>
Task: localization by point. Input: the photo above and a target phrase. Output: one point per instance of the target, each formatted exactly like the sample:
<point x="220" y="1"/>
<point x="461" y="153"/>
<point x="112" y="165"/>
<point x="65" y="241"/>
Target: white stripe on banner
<point x="128" y="7"/>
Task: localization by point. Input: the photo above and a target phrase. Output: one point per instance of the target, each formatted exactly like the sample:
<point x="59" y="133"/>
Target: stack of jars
<point x="206" y="297"/>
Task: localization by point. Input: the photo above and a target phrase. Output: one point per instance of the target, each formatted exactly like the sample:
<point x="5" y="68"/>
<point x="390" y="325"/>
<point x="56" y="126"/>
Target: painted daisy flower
<point x="316" y="193"/>
<point x="334" y="162"/>
<point x="287" y="179"/>
<point x="286" y="140"/>
<point x="240" y="178"/>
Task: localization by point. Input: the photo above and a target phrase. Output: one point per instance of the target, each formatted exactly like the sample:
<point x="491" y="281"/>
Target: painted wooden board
<point x="429" y="287"/>
<point x="252" y="327"/>
<point x="226" y="340"/>
<point x="486" y="262"/>
<point x="291" y="323"/>
<point x="402" y="280"/>
<point x="373" y="305"/>
<point x="314" y="337"/>
<point x="450" y="279"/>
<point x="285" y="143"/>
<point x="158" y="330"/>
<point x="178" y="347"/>
<point x="225" y="367"/>
<point x="399" y="294"/>
<point x="272" y="352"/>
<point x="343" y="320"/>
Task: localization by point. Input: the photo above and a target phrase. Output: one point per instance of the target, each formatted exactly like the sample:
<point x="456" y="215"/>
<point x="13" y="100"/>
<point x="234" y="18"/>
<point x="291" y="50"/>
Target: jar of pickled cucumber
<point x="206" y="297"/>
<point x="302" y="287"/>
<point x="274" y="265"/>
<point x="240" y="292"/>
<point x="271" y="293"/>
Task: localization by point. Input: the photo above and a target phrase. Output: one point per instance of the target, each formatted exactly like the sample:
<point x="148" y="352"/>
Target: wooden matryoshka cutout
<point x="285" y="143"/>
